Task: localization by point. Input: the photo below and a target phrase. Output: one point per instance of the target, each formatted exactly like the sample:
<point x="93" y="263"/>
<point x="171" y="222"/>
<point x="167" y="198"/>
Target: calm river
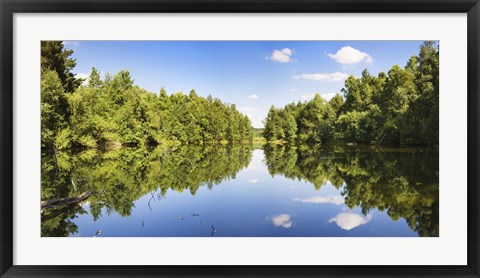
<point x="240" y="191"/>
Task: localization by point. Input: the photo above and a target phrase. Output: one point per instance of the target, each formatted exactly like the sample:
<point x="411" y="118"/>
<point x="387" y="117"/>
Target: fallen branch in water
<point x="66" y="210"/>
<point x="63" y="202"/>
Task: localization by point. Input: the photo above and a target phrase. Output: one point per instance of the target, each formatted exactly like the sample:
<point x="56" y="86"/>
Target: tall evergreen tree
<point x="55" y="57"/>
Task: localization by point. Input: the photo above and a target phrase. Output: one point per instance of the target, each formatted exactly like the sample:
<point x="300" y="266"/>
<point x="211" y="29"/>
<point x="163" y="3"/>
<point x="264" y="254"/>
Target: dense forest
<point x="114" y="111"/>
<point x="185" y="142"/>
<point x="398" y="108"/>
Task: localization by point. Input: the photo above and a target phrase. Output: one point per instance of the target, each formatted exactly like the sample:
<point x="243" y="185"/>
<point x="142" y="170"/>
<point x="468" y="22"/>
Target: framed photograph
<point x="234" y="138"/>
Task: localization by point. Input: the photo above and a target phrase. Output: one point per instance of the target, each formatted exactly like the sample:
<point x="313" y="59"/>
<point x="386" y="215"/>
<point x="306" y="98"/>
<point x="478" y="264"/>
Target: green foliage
<point x="54" y="57"/>
<point x="421" y="121"/>
<point x="63" y="139"/>
<point x="403" y="182"/>
<point x="53" y="107"/>
<point x="94" y="80"/>
<point x="400" y="108"/>
<point x="120" y="177"/>
<point x="312" y="121"/>
<point x="114" y="111"/>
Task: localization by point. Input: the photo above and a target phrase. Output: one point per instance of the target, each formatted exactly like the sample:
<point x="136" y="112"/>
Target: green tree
<point x="53" y="108"/>
<point x="94" y="80"/>
<point x="400" y="108"/>
<point x="422" y="118"/>
<point x="55" y="57"/>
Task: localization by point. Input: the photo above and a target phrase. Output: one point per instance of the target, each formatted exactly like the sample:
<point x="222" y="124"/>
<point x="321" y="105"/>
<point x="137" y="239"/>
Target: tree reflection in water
<point x="404" y="182"/>
<point x="118" y="178"/>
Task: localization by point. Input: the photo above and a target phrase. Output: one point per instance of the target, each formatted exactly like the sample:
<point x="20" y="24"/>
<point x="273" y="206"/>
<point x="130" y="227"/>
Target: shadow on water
<point x="401" y="182"/>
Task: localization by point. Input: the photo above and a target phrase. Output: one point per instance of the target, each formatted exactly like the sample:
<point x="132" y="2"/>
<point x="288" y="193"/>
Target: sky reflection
<point x="348" y="220"/>
<point x="282" y="220"/>
<point x="312" y="198"/>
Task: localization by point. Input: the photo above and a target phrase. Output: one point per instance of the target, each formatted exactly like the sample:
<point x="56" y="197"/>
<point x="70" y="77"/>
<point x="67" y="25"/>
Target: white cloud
<point x="281" y="56"/>
<point x="248" y="109"/>
<point x="293" y="90"/>
<point x="84" y="76"/>
<point x="307" y="96"/>
<point x="337" y="200"/>
<point x="328" y="96"/>
<point x="253" y="180"/>
<point x="71" y="43"/>
<point x="254" y="96"/>
<point x="336" y="76"/>
<point x="347" y="67"/>
<point x="348" y="220"/>
<point x="287" y="51"/>
<point x="282" y="220"/>
<point x="348" y="55"/>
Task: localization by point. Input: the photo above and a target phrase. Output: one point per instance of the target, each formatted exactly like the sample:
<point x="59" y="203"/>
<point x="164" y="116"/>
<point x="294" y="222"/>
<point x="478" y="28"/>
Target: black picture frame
<point x="9" y="7"/>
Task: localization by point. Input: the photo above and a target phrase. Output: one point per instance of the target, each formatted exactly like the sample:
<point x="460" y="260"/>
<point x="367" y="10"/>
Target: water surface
<point x="238" y="191"/>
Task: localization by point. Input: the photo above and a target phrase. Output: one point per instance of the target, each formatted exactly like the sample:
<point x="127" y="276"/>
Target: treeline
<point x="404" y="184"/>
<point x="114" y="111"/>
<point x="400" y="108"/>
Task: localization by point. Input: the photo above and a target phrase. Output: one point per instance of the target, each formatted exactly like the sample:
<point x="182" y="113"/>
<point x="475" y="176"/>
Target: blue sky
<point x="251" y="74"/>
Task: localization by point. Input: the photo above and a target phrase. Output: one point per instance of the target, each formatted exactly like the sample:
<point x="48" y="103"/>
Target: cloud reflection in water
<point x="348" y="220"/>
<point x="282" y="220"/>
